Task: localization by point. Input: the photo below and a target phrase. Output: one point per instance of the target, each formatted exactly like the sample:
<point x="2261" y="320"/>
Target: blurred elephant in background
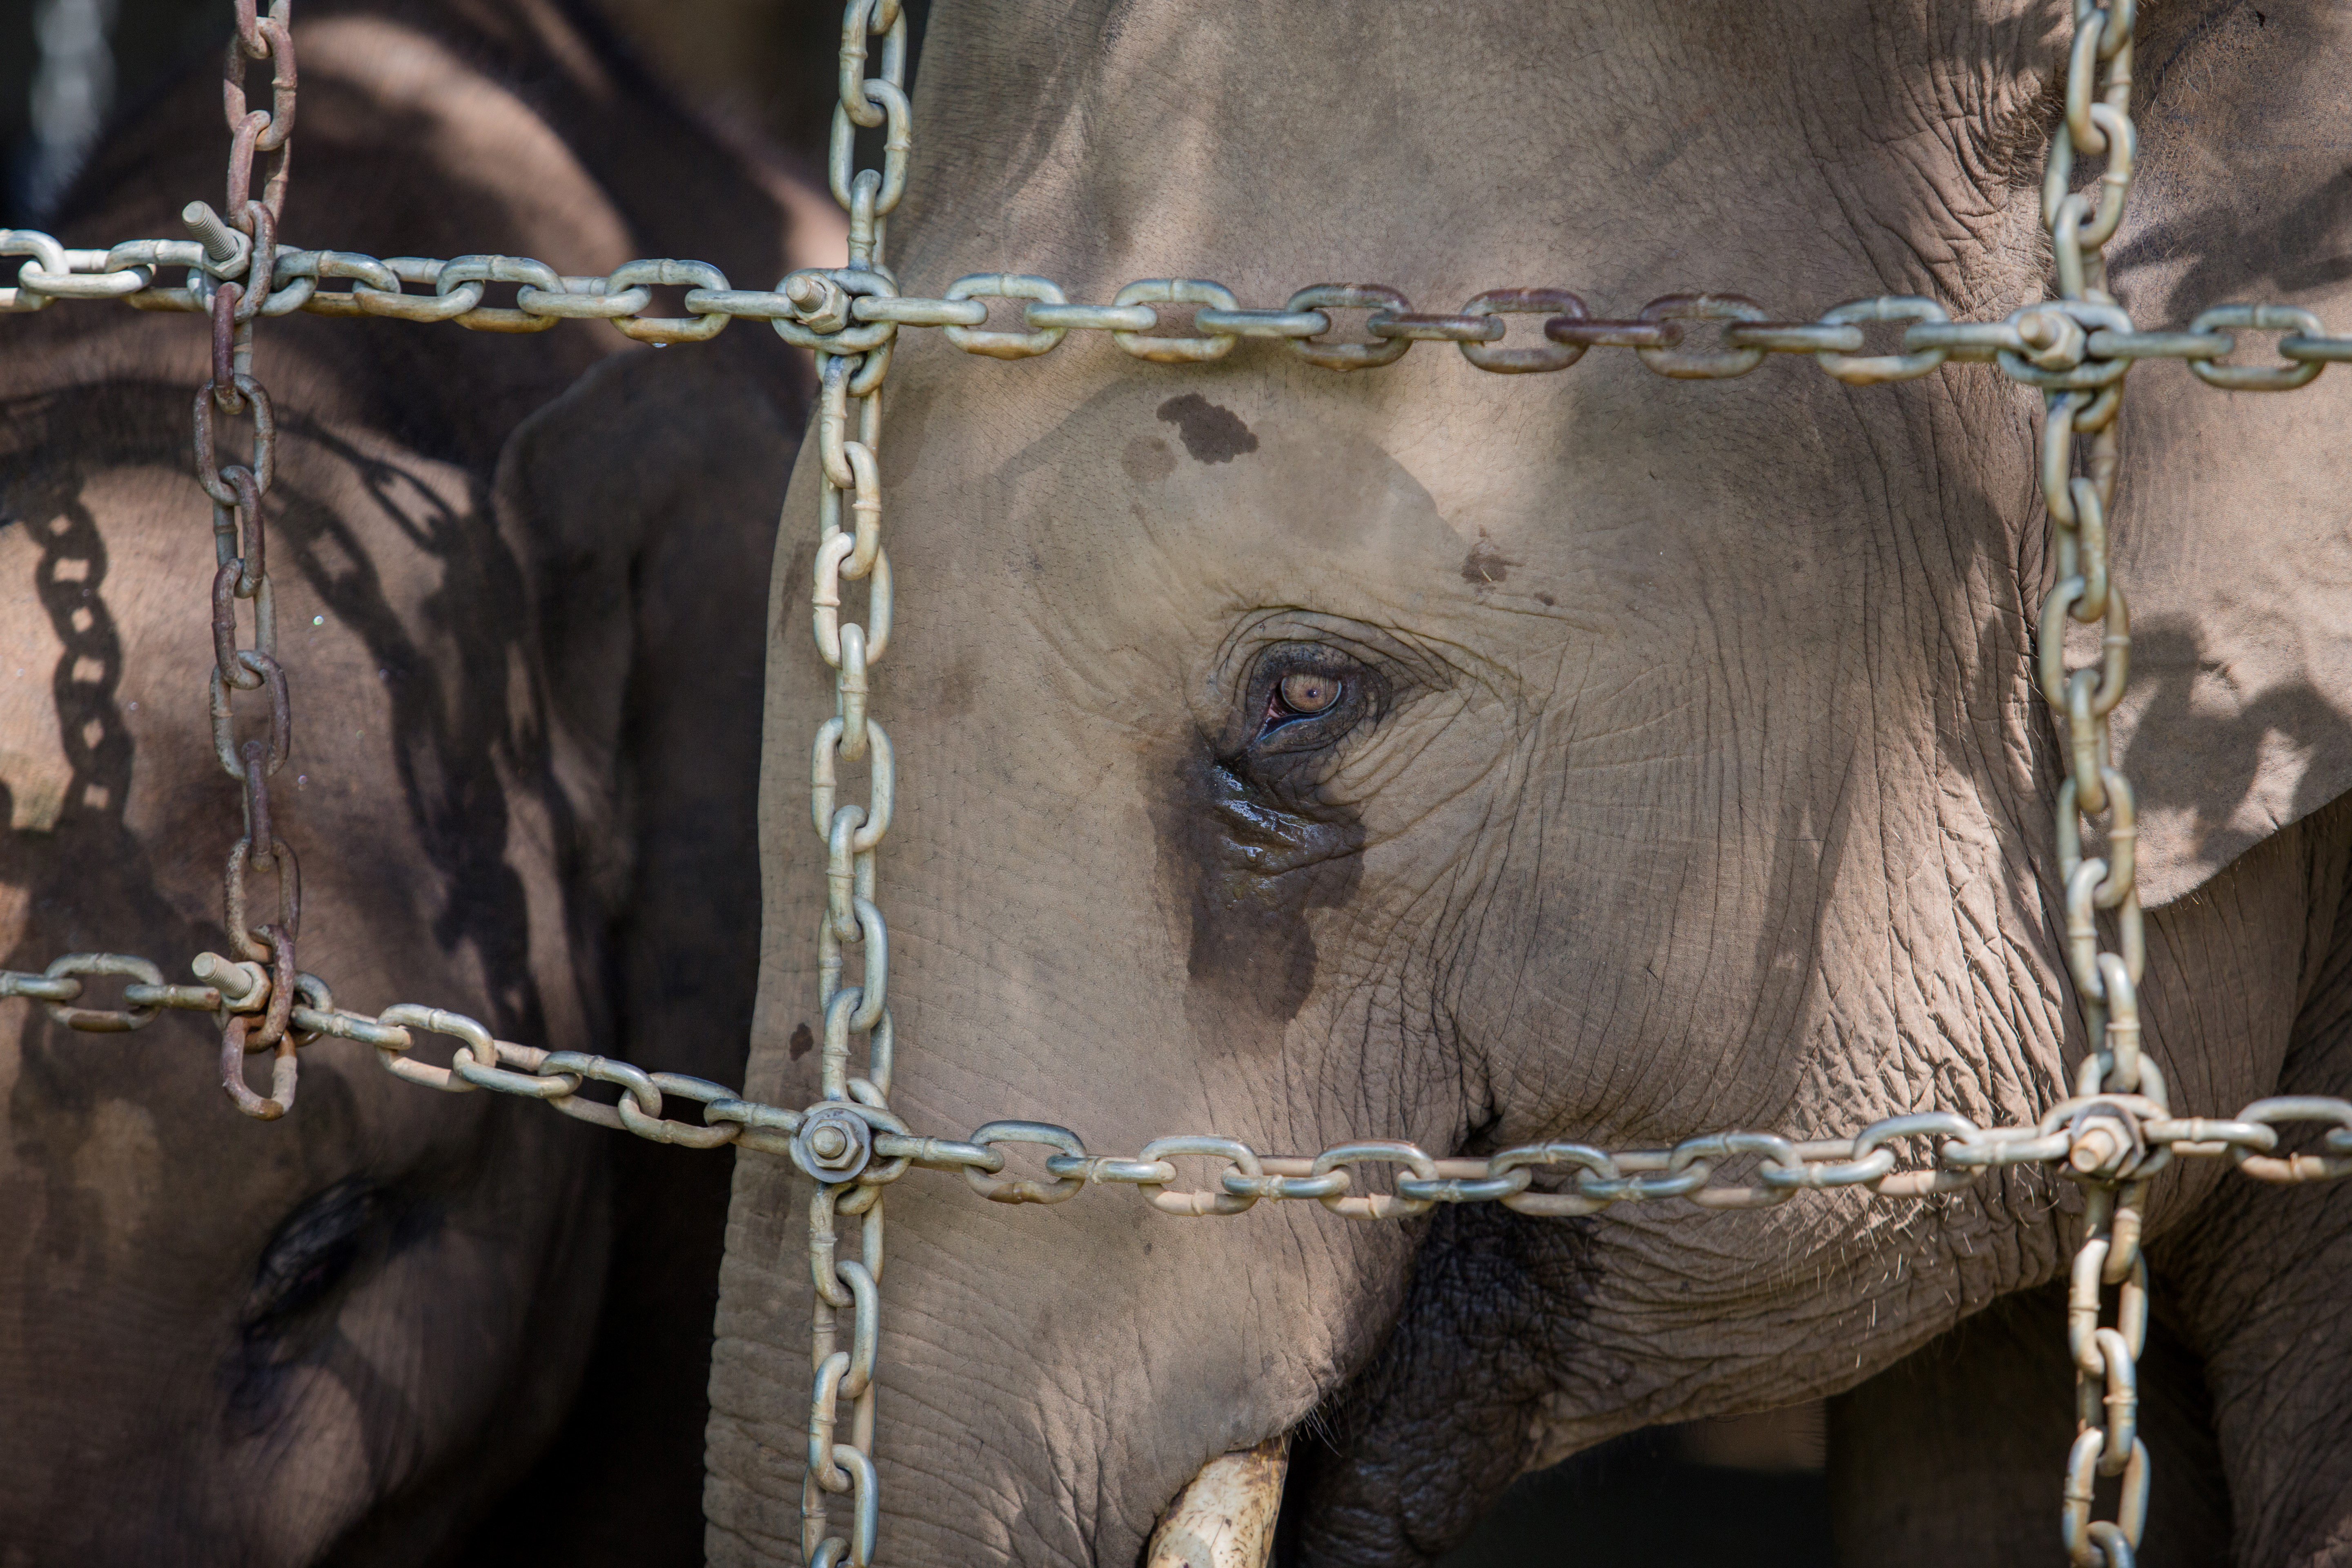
<point x="523" y="785"/>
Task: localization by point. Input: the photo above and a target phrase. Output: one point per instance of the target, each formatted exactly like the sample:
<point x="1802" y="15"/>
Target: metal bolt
<point x="2097" y="1149"/>
<point x="822" y="304"/>
<point x="245" y="986"/>
<point x="229" y="979"/>
<point x="833" y="1144"/>
<point x="2052" y="340"/>
<point x="211" y="231"/>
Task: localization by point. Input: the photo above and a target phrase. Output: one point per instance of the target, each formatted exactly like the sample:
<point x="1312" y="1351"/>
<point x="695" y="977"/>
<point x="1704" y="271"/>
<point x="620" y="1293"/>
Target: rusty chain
<point x="244" y="242"/>
<point x="2113" y="1134"/>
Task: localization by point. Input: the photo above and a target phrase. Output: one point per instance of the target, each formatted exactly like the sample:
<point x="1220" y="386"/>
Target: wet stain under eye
<point x="1211" y="434"/>
<point x="1250" y="868"/>
<point x="803" y="1043"/>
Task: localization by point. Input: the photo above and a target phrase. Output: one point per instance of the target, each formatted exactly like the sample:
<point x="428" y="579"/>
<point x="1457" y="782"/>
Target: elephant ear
<point x="2234" y="518"/>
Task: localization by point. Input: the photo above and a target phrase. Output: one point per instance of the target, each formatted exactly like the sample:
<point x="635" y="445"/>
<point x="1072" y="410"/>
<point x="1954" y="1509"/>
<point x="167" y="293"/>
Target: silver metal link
<point x="1961" y="1153"/>
<point x="2118" y="1090"/>
<point x="851" y="316"/>
<point x="874" y="313"/>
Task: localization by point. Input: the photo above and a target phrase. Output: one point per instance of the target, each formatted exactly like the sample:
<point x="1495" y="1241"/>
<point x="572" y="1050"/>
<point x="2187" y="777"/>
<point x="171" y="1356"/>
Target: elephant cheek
<point x="1249" y="869"/>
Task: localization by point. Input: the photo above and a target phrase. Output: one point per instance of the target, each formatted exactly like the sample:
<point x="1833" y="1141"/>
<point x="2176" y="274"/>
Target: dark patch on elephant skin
<point x="956" y="693"/>
<point x="1211" y="434"/>
<point x="1147" y="458"/>
<point x="792" y="611"/>
<point x="1403" y="1461"/>
<point x="803" y="1043"/>
<point x="1485" y="565"/>
<point x="1254" y="859"/>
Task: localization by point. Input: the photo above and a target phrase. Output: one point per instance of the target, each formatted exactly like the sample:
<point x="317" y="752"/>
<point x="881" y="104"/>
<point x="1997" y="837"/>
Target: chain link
<point x="2109" y="1151"/>
<point x="857" y="310"/>
<point x="2114" y="1134"/>
<point x="836" y="1143"/>
<point x="2123" y="1135"/>
<point x="241" y="243"/>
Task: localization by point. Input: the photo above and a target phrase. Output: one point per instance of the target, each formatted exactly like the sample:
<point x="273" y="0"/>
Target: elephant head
<point x="1475" y="759"/>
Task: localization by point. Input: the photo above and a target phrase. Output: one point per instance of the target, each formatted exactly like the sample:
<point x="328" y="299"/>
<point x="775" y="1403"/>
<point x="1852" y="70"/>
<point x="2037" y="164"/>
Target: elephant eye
<point x="1304" y="697"/>
<point x="315" y="1247"/>
<point x="1309" y="691"/>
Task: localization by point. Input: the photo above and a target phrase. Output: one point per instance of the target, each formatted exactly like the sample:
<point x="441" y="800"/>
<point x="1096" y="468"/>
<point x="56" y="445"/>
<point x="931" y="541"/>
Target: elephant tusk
<point x="1225" y="1516"/>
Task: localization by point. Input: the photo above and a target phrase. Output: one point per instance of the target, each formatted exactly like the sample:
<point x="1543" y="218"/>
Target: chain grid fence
<point x="2115" y="1133"/>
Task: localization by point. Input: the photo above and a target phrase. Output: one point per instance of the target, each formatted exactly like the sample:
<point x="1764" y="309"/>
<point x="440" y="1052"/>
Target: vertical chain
<point x="2080" y="224"/>
<point x="2107" y="1380"/>
<point x="244" y="241"/>
<point x="850" y="550"/>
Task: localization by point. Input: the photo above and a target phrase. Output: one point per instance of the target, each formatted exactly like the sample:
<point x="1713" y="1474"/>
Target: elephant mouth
<point x="1396" y="1465"/>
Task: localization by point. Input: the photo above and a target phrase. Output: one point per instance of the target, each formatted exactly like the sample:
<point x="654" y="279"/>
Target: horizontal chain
<point x="2057" y="345"/>
<point x="2103" y="1138"/>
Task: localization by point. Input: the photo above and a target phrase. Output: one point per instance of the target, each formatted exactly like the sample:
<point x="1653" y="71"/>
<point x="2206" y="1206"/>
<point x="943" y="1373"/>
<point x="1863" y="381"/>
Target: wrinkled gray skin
<point x="521" y="788"/>
<point x="1689" y="776"/>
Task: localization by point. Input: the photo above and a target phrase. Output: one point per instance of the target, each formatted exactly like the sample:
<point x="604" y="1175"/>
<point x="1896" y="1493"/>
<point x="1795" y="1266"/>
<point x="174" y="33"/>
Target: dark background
<point x="1749" y="1491"/>
<point x="768" y="63"/>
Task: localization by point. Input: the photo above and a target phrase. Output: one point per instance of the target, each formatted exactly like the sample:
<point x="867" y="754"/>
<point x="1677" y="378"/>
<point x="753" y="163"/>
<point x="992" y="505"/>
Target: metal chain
<point x="244" y="244"/>
<point x="2108" y="1155"/>
<point x="2080" y="1131"/>
<point x="2113" y="1134"/>
<point x="857" y="310"/>
<point x="852" y="1147"/>
<point x="834" y="1143"/>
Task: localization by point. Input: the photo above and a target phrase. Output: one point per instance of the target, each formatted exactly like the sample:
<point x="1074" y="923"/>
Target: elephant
<point x="522" y="785"/>
<point x="1478" y="760"/>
